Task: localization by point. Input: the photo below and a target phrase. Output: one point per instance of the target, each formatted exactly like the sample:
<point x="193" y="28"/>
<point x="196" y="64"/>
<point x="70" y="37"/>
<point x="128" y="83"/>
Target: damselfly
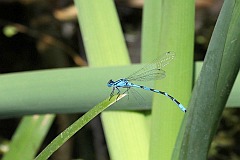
<point x="152" y="71"/>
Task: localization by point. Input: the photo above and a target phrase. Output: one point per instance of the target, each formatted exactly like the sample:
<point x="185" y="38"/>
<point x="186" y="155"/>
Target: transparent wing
<point x="153" y="71"/>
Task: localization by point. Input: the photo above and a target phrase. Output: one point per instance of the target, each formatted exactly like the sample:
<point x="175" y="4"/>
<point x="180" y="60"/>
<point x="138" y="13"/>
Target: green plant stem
<point x="76" y="126"/>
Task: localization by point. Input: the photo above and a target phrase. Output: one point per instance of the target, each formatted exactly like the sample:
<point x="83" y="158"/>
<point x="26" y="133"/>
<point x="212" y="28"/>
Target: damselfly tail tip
<point x="182" y="108"/>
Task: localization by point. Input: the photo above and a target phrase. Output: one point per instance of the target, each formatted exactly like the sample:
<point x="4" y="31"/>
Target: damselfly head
<point x="110" y="83"/>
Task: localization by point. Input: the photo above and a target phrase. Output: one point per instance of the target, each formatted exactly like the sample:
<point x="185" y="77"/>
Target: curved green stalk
<point x="76" y="126"/>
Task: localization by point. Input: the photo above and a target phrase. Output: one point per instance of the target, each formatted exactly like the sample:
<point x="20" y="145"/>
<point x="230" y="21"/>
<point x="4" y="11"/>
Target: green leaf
<point x="105" y="45"/>
<point x="56" y="90"/>
<point x="211" y="91"/>
<point x="76" y="126"/>
<point x="169" y="26"/>
<point x="65" y="90"/>
<point x="28" y="137"/>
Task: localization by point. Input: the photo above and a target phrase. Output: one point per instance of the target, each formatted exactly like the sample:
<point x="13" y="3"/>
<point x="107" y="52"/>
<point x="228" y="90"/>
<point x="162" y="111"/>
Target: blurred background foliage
<point x="45" y="34"/>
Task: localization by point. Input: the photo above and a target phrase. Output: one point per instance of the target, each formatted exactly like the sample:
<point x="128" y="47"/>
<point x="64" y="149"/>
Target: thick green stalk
<point x="47" y="91"/>
<point x="104" y="42"/>
<point x="210" y="94"/>
<point x="55" y="90"/>
<point x="169" y="26"/>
